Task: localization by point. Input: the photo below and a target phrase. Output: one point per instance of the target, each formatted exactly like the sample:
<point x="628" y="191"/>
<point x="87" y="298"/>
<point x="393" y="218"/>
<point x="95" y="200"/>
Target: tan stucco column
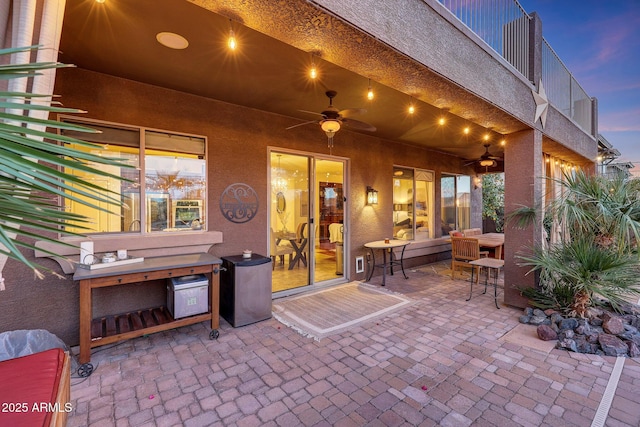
<point x="524" y="185"/>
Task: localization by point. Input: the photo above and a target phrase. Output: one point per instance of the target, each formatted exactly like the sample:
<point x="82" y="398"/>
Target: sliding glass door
<point x="306" y="219"/>
<point x="455" y="202"/>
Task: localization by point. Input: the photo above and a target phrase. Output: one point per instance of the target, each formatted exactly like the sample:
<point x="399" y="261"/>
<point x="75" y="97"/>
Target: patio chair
<point x="471" y="232"/>
<point x="278" y="250"/>
<point x="463" y="250"/>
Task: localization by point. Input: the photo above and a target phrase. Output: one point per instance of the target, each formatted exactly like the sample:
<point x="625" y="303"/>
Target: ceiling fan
<point x="487" y="160"/>
<point x="333" y="119"/>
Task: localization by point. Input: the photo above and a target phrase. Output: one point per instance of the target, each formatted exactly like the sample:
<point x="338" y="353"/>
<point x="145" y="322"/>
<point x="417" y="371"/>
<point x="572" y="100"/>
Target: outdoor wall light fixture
<point x="372" y="196"/>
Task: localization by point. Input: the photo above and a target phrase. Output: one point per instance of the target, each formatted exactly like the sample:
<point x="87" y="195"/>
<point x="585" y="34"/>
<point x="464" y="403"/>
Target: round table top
<point x="380" y="244"/>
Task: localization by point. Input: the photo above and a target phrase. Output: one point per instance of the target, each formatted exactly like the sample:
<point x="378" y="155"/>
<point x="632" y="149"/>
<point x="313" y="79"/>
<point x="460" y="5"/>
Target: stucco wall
<point x="238" y="141"/>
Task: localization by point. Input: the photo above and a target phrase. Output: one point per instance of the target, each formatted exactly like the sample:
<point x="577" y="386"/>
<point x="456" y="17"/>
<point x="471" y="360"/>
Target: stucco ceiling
<point x="118" y="37"/>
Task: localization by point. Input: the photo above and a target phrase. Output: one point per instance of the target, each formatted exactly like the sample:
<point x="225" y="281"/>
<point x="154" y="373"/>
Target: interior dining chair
<point x="278" y="250"/>
<point x="471" y="232"/>
<point x="463" y="250"/>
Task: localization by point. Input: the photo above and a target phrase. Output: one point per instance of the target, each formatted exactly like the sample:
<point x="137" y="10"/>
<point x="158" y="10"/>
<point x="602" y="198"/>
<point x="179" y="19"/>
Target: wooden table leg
<point x="215" y="299"/>
<point x="85" y="322"/>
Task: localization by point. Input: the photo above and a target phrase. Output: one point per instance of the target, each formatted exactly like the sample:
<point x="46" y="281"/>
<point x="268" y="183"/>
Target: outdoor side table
<point x="490" y="264"/>
<point x="386" y="246"/>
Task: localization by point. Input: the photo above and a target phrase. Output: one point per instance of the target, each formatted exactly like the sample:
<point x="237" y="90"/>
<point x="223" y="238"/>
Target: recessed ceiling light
<point x="172" y="40"/>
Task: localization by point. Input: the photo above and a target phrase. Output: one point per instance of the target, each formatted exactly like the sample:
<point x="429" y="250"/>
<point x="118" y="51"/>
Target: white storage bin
<point x="188" y="295"/>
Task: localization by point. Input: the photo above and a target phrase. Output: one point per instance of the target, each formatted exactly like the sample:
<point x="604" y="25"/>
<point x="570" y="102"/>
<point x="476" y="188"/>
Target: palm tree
<point x="597" y="252"/>
<point x="37" y="167"/>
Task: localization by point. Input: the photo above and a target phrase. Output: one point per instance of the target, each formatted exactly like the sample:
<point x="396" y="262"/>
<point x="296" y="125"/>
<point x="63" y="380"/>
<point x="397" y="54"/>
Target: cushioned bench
<point x="35" y="389"/>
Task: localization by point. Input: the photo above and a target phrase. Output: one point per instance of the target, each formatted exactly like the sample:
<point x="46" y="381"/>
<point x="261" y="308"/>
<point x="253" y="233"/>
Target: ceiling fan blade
<point x="352" y="112"/>
<point x="357" y="124"/>
<point x="470" y="163"/>
<point x="312" y="112"/>
<point x="302" y="124"/>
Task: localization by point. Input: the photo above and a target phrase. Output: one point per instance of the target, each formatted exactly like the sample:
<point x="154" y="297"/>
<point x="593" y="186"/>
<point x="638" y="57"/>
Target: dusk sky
<point x="599" y="42"/>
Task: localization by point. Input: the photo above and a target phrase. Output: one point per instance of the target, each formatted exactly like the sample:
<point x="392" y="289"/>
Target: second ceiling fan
<point x="487" y="159"/>
<point x="333" y="119"/>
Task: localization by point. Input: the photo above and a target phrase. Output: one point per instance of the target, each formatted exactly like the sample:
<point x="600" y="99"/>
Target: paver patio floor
<point x="441" y="362"/>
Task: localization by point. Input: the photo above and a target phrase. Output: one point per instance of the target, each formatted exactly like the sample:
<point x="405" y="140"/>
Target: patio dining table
<point x="492" y="241"/>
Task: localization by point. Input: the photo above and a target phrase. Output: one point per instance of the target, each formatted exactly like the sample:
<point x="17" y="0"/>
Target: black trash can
<point x="245" y="289"/>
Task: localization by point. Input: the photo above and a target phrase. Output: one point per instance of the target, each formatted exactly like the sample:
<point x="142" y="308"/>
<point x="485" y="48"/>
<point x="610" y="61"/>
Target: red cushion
<point x="26" y="381"/>
<point x="457" y="234"/>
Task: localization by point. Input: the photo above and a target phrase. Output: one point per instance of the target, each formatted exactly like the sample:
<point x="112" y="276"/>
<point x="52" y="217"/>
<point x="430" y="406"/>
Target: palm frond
<point x="39" y="166"/>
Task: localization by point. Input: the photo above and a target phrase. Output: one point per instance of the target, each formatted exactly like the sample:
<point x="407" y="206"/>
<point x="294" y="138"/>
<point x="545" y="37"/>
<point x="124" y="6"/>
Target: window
<point x="412" y="204"/>
<point x="455" y="202"/>
<point x="167" y="191"/>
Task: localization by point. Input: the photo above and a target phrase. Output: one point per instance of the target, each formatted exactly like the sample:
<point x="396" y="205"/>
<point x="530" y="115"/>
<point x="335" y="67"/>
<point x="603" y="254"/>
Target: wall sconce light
<point x="477" y="182"/>
<point x="372" y="196"/>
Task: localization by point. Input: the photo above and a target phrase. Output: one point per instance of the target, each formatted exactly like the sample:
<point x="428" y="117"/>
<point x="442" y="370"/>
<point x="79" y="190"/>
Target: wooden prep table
<point x="131" y="325"/>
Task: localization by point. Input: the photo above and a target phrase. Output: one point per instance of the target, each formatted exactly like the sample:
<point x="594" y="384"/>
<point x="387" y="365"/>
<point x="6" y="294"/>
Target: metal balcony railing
<point x="563" y="90"/>
<point x="504" y="26"/>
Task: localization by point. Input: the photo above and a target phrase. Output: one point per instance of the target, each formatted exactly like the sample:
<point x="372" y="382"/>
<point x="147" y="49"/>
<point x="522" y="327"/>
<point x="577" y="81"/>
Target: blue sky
<point x="599" y="42"/>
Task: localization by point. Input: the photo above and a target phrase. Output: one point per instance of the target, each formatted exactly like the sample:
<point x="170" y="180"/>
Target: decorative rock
<point x="613" y="325"/>
<point x="570" y="323"/>
<point x="538" y="313"/>
<point x="539" y="320"/>
<point x="593" y="337"/>
<point x="634" y="351"/>
<point x="595" y="321"/>
<point x="567" y="344"/>
<point x="603" y="332"/>
<point x="630" y="308"/>
<point x="583" y="327"/>
<point x="635" y="338"/>
<point x="594" y="312"/>
<point x="566" y="334"/>
<point x="583" y="346"/>
<point x="556" y="318"/>
<point x="627" y="319"/>
<point x="524" y="319"/>
<point x="546" y="333"/>
<point x="612" y="345"/>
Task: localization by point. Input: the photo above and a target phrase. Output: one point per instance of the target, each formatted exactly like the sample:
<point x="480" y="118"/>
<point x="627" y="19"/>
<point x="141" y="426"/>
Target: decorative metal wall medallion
<point x="239" y="203"/>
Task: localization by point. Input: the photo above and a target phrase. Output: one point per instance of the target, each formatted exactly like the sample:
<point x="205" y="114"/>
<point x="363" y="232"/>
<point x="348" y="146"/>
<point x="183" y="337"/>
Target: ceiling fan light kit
<point x="488" y="163"/>
<point x="333" y="119"/>
<point x="330" y="126"/>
